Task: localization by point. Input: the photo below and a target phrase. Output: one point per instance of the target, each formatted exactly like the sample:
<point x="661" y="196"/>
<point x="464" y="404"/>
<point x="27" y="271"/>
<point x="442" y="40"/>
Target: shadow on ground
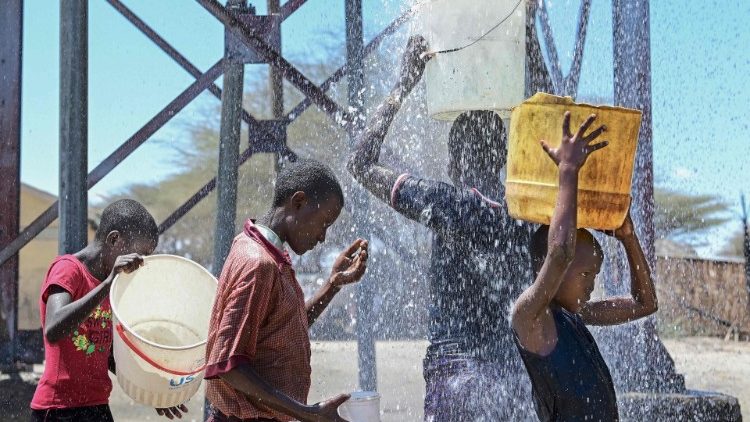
<point x="15" y="396"/>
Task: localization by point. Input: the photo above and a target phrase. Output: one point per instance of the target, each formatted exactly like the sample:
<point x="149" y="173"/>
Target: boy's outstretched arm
<point x="63" y="314"/>
<point x="348" y="268"/>
<point x="642" y="301"/>
<point x="531" y="307"/>
<point x="262" y="394"/>
<point x="363" y="164"/>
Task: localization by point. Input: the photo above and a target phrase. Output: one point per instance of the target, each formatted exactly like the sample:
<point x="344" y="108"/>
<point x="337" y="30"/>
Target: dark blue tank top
<point x="573" y="382"/>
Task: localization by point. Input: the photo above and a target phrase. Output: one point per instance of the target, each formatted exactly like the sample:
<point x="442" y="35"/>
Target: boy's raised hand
<point x="575" y="149"/>
<point x="328" y="411"/>
<point x="642" y="301"/>
<point x="625" y="231"/>
<point x="172" y="412"/>
<point x="126" y="263"/>
<point x="413" y="62"/>
<point x="349" y="267"/>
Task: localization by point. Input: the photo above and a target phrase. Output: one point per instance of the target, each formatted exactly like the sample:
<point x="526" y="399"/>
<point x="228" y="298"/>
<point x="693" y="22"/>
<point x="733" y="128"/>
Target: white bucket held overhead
<point x="489" y="73"/>
<point x="160" y="317"/>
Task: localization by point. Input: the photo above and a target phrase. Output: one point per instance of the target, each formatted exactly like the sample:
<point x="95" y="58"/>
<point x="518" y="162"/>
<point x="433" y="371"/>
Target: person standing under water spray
<point x="480" y="260"/>
<point x="258" y="348"/>
<point x="570" y="378"/>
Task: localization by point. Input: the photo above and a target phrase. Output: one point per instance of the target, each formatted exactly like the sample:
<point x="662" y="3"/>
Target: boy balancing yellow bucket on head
<point x="605" y="179"/>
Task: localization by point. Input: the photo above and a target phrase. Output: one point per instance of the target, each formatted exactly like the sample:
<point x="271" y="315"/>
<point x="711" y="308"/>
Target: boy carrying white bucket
<point x="258" y="350"/>
<point x="77" y="317"/>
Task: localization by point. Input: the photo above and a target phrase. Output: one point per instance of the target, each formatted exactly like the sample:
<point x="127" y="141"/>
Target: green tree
<point x="684" y="218"/>
<point x="735" y="246"/>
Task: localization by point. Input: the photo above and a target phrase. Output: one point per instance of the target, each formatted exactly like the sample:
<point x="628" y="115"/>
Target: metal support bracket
<point x="271" y="138"/>
<point x="265" y="27"/>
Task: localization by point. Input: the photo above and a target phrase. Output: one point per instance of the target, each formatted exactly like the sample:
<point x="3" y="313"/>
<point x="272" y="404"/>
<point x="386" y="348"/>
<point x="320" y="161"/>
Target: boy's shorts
<point x="99" y="413"/>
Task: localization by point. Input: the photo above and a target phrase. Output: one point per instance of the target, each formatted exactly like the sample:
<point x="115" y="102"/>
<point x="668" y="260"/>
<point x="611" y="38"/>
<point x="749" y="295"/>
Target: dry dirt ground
<point x="707" y="363"/>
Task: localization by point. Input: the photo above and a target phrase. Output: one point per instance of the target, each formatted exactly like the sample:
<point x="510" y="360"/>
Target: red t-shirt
<point x="75" y="372"/>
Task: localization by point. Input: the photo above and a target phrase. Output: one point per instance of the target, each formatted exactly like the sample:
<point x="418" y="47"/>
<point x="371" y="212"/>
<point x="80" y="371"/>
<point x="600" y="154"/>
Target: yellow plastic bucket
<point x="604" y="182"/>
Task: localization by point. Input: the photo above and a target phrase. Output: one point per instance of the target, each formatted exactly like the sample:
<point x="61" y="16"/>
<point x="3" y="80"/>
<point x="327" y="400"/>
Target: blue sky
<point x="700" y="81"/>
<point x="130" y="79"/>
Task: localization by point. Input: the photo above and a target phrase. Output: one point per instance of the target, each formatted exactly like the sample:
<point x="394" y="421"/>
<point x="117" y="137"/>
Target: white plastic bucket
<point x="160" y="317"/>
<point x="488" y="75"/>
<point x="362" y="406"/>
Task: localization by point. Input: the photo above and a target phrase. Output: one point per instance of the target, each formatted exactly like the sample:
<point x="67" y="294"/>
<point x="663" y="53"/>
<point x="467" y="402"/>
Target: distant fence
<point x="702" y="297"/>
<point x="696" y="297"/>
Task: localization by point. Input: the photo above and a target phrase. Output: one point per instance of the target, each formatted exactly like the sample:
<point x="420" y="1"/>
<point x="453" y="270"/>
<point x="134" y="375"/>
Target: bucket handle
<point x="139" y="352"/>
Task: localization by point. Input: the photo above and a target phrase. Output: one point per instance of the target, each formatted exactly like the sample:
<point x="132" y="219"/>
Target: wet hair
<point x="312" y="177"/>
<point x="130" y="218"/>
<point x="538" y="246"/>
<point x="476" y="139"/>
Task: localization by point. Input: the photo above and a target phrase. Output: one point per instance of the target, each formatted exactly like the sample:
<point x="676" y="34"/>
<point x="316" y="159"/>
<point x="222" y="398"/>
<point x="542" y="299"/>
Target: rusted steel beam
<point x="365" y="328"/>
<point x="73" y="155"/>
<point x="161" y="118"/>
<point x="216" y="91"/>
<point x="632" y="88"/>
<point x="187" y="206"/>
<point x="574" y="75"/>
<point x="274" y="59"/>
<point x="46" y="218"/>
<point x="198" y="196"/>
<point x="341" y="72"/>
<point x="276" y="81"/>
<point x="355" y="56"/>
<point x="130" y="145"/>
<point x="267" y="140"/>
<point x="157" y="39"/>
<point x="746" y="246"/>
<point x="290" y="7"/>
<point x="549" y="43"/>
<point x="229" y="149"/>
<point x="206" y="189"/>
<point x="11" y="43"/>
<point x="565" y="84"/>
<point x="172" y="52"/>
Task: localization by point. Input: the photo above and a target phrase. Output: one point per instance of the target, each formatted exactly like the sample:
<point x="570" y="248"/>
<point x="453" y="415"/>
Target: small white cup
<point x="363" y="406"/>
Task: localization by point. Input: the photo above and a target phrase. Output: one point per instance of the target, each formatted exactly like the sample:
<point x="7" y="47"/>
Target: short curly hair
<point x="130" y="218"/>
<point x="312" y="177"/>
